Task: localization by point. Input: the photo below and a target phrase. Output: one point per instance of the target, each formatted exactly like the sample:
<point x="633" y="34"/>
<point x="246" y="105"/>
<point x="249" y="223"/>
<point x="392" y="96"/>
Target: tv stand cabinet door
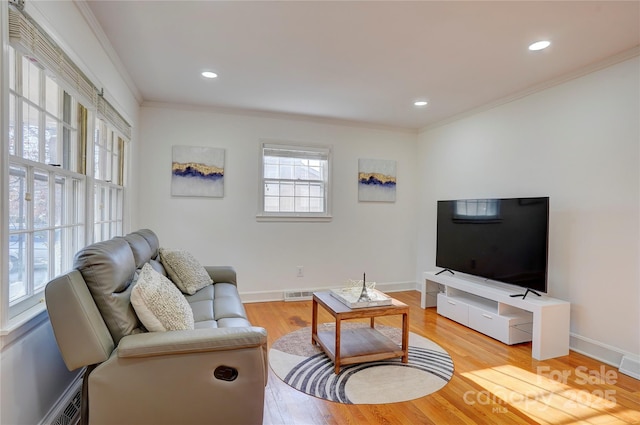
<point x="490" y="324"/>
<point x="453" y="309"/>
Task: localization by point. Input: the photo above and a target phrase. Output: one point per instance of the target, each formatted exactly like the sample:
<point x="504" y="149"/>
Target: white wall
<point x="376" y="238"/>
<point x="577" y="143"/>
<point x="32" y="374"/>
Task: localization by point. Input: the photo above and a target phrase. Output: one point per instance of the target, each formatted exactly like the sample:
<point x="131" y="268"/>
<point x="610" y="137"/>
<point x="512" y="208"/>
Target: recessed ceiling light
<point x="209" y="74"/>
<point x="420" y="103"/>
<point x="539" y="45"/>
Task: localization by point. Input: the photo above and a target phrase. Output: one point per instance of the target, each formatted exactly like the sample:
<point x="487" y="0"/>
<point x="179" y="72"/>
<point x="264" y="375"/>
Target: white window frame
<point x="63" y="228"/>
<point x="77" y="228"/>
<point x="307" y="151"/>
<point x="108" y="181"/>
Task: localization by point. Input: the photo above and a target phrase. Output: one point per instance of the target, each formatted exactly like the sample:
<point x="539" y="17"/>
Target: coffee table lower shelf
<point x="358" y="345"/>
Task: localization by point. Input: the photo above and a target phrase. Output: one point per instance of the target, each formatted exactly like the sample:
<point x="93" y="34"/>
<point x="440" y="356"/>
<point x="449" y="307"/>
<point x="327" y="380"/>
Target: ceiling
<point x="364" y="61"/>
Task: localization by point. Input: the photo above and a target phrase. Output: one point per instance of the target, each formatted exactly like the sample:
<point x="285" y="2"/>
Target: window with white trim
<point x="108" y="190"/>
<point x="53" y="109"/>
<point x="295" y="182"/>
<point x="46" y="188"/>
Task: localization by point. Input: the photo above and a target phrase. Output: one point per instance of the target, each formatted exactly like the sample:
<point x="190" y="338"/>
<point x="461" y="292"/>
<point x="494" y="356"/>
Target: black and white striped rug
<point x="306" y="368"/>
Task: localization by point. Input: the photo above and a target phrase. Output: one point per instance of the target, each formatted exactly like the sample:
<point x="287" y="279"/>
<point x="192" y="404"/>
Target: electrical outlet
<point x="300" y="273"/>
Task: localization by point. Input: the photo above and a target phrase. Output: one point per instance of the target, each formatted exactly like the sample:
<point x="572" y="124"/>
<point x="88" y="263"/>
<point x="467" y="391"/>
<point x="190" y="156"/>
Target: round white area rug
<point x="305" y="367"/>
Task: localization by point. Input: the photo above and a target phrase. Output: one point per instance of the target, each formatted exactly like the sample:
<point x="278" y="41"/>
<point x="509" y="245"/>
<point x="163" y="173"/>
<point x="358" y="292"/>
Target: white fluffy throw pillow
<point x="184" y="270"/>
<point x="159" y="304"/>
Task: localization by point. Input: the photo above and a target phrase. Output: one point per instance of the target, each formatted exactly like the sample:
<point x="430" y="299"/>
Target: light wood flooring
<point x="493" y="383"/>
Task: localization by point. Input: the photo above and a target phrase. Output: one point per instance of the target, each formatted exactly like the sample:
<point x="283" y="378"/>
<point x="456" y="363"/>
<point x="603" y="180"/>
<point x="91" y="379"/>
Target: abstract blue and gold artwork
<point x="377" y="180"/>
<point x="197" y="171"/>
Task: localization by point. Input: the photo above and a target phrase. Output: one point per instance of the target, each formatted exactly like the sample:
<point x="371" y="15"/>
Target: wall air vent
<point x="298" y="295"/>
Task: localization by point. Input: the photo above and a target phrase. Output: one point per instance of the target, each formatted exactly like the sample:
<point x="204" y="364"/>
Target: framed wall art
<point x="376" y="180"/>
<point x="197" y="171"/>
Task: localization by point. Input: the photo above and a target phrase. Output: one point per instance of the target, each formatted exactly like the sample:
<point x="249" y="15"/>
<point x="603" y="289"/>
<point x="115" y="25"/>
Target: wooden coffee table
<point x="364" y="344"/>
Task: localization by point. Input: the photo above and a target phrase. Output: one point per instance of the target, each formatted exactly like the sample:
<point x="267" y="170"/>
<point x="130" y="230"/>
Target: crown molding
<point x="95" y="26"/>
<point x="278" y="115"/>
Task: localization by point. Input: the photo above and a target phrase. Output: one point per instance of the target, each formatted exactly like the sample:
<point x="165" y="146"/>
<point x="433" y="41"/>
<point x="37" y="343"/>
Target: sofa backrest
<point x="109" y="269"/>
<point x="80" y="331"/>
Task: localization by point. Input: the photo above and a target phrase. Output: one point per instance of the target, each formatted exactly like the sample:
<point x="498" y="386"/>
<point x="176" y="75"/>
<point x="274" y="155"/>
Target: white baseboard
<point x="629" y="363"/>
<point x="630" y="366"/>
<point x="264" y="296"/>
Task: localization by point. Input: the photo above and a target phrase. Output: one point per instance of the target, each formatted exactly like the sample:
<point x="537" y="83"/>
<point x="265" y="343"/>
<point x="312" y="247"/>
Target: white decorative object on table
<point x="360" y="294"/>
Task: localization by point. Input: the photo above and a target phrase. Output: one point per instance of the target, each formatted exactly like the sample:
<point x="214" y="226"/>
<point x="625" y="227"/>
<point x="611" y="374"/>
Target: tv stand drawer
<point x="508" y="328"/>
<point x="453" y="309"/>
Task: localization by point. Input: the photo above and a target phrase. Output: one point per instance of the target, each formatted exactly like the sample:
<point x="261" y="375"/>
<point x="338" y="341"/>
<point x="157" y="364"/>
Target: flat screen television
<point x="505" y="240"/>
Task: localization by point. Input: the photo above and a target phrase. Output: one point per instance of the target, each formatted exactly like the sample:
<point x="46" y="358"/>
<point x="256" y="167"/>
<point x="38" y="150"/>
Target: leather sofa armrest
<point x="168" y="378"/>
<point x="191" y="341"/>
<point x="225" y="274"/>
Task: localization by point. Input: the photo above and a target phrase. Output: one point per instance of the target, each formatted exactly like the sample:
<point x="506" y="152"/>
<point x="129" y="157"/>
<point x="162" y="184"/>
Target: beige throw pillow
<point x="184" y="270"/>
<point x="159" y="304"/>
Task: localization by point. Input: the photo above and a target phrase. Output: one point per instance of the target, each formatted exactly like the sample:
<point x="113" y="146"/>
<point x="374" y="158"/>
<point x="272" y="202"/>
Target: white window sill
<point x="22" y="324"/>
<point x="294" y="218"/>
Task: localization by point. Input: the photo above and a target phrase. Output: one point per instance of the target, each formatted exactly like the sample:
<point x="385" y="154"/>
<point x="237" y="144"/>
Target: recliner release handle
<point x="225" y="373"/>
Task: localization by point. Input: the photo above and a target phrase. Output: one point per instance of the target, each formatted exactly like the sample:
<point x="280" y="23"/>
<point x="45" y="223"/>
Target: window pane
<point x="97" y="204"/>
<point x="40" y="259"/>
<point x="30" y="133"/>
<point x="12" y="69"/>
<point x="108" y="161"/>
<point x="97" y="233"/>
<point x="40" y="200"/>
<point x="302" y="204"/>
<point x="270" y="171"/>
<point x="17" y="266"/>
<point x="316" y="190"/>
<point x="272" y="204"/>
<point x="76" y="207"/>
<point x="17" y="193"/>
<point x="114" y="206"/>
<point x="115" y="168"/>
<point x="286" y="189"/>
<point x="52" y="97"/>
<point x="301" y="172"/>
<point x="51" y="141"/>
<point x="286" y="171"/>
<point x="59" y="201"/>
<point x="286" y="204"/>
<point x="316" y="173"/>
<point x="302" y="189"/>
<point x="69" y="149"/>
<point x="68" y="115"/>
<point x="12" y="125"/>
<point x="272" y="189"/>
<point x="316" y="205"/>
<point x="58" y="265"/>
<point x="31" y="80"/>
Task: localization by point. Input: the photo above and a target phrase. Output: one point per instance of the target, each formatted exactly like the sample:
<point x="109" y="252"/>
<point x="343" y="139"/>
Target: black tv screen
<point x="499" y="239"/>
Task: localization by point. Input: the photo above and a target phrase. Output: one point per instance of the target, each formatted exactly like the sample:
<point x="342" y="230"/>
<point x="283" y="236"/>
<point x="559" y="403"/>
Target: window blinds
<point x="304" y="152"/>
<point x="27" y="37"/>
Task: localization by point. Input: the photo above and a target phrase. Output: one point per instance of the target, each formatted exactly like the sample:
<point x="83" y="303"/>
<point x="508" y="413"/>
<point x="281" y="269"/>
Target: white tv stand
<point x="490" y="309"/>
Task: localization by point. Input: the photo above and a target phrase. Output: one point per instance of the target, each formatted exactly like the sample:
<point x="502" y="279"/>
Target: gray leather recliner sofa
<point x="214" y="374"/>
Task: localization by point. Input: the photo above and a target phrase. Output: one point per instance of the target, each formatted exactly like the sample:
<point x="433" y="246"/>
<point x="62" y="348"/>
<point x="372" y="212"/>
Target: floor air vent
<point x="71" y="413"/>
<point x="298" y="295"/>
